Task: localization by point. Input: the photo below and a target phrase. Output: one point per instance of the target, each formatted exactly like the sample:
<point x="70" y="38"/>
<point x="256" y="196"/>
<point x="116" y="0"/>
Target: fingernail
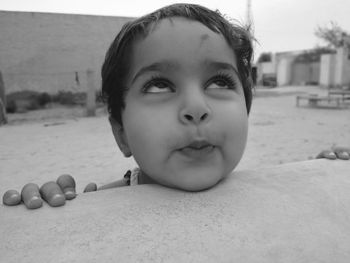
<point x="31" y="196"/>
<point x="332" y="155"/>
<point x="67" y="184"/>
<point x="52" y="194"/>
<point x="57" y="200"/>
<point x="11" y="197"/>
<point x="344" y="155"/>
<point x="69" y="193"/>
<point x="91" y="187"/>
<point x="34" y="202"/>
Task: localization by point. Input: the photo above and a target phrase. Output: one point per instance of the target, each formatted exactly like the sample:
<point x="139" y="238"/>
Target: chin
<point x="198" y="188"/>
<point x="197" y="185"/>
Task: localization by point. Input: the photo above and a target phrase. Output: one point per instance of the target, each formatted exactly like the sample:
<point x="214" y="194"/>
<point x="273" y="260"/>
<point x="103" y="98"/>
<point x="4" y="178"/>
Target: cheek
<point x="232" y="116"/>
<point x="147" y="134"/>
<point x="239" y="134"/>
<point x="238" y="141"/>
<point x="235" y="125"/>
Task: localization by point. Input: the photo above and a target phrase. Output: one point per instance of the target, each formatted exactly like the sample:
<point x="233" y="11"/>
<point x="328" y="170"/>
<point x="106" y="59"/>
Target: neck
<point x="145" y="179"/>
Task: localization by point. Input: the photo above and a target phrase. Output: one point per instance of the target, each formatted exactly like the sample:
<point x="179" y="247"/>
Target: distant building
<point x="335" y="69"/>
<point x="288" y="68"/>
<point x="51" y="52"/>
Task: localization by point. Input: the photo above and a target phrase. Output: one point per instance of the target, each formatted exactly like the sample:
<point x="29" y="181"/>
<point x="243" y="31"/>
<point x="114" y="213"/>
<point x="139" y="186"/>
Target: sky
<point x="279" y="25"/>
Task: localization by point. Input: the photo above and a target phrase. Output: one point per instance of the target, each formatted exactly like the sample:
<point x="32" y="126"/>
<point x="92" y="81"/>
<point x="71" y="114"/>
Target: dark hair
<point x="116" y="65"/>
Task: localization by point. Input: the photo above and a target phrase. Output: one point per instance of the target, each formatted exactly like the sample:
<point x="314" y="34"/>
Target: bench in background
<point x="314" y="100"/>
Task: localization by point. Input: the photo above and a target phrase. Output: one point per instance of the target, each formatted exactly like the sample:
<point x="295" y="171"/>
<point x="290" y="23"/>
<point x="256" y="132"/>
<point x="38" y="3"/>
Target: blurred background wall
<point x="48" y="52"/>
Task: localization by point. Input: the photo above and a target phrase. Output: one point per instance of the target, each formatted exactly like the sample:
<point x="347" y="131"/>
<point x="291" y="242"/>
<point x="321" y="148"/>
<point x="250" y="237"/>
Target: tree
<point x="333" y="35"/>
<point x="265" y="57"/>
<point x="314" y="55"/>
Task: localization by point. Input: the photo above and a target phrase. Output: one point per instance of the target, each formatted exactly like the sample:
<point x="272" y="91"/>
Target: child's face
<point x="185" y="119"/>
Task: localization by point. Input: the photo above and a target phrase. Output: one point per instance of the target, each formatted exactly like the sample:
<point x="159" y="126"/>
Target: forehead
<point x="181" y="40"/>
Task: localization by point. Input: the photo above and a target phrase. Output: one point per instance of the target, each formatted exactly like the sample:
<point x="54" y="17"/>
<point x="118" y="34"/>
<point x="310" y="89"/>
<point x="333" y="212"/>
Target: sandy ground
<point x="40" y="145"/>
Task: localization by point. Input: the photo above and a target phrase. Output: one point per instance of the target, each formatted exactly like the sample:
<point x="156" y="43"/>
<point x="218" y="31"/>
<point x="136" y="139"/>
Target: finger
<point x="327" y="154"/>
<point x="342" y="152"/>
<point x="67" y="184"/>
<point x="31" y="196"/>
<point x="52" y="194"/>
<point x="11" y="197"/>
<point x="91" y="187"/>
<point x="343" y="155"/>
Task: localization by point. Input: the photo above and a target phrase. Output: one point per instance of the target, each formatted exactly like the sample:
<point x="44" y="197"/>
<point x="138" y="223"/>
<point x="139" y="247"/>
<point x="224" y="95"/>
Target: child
<point x="178" y="86"/>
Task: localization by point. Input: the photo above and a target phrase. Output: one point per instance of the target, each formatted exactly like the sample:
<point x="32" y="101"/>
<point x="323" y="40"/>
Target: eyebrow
<point x="167" y="65"/>
<point x="216" y="65"/>
<point x="162" y="66"/>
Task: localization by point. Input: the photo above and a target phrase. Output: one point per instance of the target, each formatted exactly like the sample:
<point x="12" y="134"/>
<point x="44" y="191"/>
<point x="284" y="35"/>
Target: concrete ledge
<point x="299" y="212"/>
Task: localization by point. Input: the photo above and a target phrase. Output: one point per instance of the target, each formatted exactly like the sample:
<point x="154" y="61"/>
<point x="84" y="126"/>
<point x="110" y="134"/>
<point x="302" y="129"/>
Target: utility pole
<point x="249" y="16"/>
<point x="3" y="118"/>
<point x="248" y="11"/>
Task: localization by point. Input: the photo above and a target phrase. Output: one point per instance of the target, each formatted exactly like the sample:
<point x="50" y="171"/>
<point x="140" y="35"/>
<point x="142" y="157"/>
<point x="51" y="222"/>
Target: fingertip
<point x="327" y="154"/>
<point x="330" y="155"/>
<point x="91" y="187"/>
<point x="11" y="198"/>
<point x="343" y="155"/>
<point x="34" y="203"/>
<point x="57" y="200"/>
<point x="67" y="184"/>
<point x="52" y="194"/>
<point x="31" y="196"/>
<point x="69" y="193"/>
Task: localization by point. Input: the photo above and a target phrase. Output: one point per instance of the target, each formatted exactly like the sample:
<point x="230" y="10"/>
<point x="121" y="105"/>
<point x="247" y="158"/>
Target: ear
<point x="120" y="137"/>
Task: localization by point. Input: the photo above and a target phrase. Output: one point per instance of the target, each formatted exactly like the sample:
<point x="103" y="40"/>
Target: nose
<point x="194" y="109"/>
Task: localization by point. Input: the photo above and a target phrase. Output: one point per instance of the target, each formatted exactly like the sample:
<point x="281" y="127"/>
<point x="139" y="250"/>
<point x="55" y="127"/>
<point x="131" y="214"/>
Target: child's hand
<point x="91" y="187"/>
<point x="54" y="193"/>
<point x="336" y="153"/>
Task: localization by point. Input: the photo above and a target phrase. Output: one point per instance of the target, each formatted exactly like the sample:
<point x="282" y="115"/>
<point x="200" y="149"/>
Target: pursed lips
<point x="197" y="149"/>
<point x="199" y="144"/>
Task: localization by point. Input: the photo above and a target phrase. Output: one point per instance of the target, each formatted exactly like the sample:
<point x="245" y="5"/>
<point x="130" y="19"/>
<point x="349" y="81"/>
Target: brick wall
<point x="52" y="52"/>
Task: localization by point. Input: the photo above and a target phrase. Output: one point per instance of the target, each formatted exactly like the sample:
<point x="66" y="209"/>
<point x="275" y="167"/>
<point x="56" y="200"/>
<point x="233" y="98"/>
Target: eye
<point x="222" y="81"/>
<point x="158" y="85"/>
